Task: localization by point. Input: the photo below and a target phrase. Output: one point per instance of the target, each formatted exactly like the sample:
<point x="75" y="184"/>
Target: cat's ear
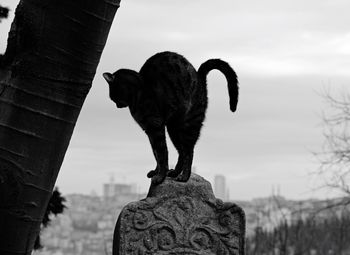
<point x="108" y="77"/>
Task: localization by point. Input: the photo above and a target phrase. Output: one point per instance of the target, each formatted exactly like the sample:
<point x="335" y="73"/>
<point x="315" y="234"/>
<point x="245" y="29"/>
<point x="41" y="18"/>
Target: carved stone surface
<point x="180" y="218"/>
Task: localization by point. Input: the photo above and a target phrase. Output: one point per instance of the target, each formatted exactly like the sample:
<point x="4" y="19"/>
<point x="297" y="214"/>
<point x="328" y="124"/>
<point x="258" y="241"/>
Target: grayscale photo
<point x="158" y="127"/>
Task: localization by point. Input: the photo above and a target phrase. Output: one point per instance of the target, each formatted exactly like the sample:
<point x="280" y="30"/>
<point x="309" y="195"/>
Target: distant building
<point x="220" y="189"/>
<point x="111" y="189"/>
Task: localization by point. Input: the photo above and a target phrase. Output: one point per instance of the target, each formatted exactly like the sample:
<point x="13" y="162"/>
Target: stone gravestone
<point x="180" y="218"/>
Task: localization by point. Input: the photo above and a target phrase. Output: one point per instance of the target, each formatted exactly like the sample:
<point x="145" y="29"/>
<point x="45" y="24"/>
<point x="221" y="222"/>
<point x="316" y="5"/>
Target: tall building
<point x="220" y="189"/>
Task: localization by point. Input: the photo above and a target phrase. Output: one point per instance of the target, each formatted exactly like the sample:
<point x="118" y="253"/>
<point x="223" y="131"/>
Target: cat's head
<point x="123" y="86"/>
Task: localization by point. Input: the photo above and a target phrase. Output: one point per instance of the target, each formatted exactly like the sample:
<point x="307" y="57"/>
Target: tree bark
<point x="53" y="51"/>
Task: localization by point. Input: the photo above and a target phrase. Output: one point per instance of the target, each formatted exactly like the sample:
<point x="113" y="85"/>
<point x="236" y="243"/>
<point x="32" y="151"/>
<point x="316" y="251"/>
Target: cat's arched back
<point x="169" y="92"/>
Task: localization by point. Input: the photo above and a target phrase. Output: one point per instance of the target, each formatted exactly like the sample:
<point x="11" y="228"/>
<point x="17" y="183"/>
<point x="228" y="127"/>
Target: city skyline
<point x="87" y="224"/>
<point x="285" y="54"/>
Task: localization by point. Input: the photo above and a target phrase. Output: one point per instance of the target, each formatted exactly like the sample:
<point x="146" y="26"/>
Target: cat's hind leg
<point x="189" y="137"/>
<point x="186" y="167"/>
<point x="174" y="134"/>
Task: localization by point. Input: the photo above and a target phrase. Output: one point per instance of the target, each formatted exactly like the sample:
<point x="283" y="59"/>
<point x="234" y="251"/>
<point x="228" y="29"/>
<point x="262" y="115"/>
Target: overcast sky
<point x="285" y="53"/>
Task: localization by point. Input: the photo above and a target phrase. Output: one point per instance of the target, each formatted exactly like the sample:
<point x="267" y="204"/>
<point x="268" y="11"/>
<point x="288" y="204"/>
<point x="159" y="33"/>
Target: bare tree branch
<point x="335" y="155"/>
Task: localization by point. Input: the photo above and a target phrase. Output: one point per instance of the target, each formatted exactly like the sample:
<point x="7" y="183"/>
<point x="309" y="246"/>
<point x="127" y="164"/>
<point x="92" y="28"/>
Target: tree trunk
<point x="53" y="50"/>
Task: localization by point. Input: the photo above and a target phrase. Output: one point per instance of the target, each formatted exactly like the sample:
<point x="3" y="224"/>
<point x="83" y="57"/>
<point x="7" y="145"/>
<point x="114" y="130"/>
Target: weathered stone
<point x="180" y="218"/>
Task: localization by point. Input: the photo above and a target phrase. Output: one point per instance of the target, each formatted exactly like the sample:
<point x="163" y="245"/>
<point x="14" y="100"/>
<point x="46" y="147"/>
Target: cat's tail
<point x="231" y="77"/>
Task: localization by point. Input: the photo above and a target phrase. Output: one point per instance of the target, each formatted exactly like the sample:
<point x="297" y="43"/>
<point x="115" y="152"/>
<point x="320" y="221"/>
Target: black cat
<point x="169" y="92"/>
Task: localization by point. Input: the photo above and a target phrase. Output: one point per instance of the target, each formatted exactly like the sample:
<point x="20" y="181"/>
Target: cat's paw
<point x="151" y="173"/>
<point x="183" y="177"/>
<point x="174" y="173"/>
<point x="158" y="179"/>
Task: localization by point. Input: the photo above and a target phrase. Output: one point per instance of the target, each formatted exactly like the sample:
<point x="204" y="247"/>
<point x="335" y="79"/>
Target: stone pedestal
<point x="180" y="218"/>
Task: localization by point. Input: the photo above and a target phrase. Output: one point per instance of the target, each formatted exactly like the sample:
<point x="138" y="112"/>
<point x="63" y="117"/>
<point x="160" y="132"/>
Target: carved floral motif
<point x="182" y="225"/>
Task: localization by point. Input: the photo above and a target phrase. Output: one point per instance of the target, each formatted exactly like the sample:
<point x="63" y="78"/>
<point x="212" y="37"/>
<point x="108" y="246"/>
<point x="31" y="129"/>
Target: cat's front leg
<point x="152" y="173"/>
<point x="160" y="151"/>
